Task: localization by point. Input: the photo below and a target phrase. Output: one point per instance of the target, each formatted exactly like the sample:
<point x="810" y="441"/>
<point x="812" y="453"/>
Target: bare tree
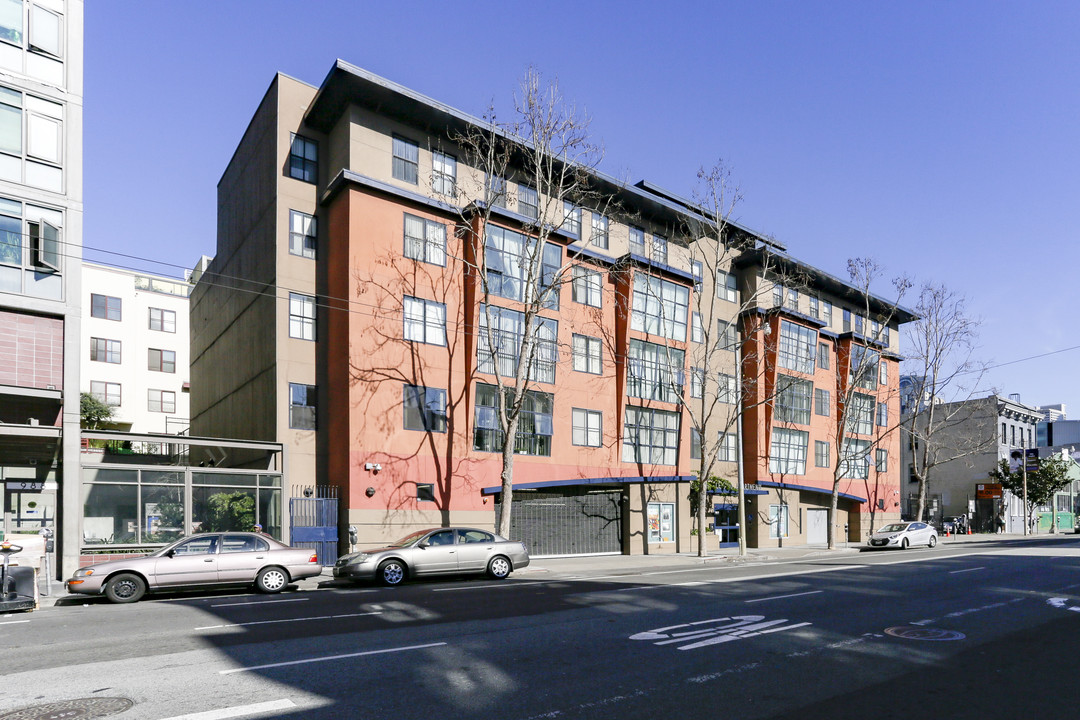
<point x="940" y="359"/>
<point x="547" y="149"/>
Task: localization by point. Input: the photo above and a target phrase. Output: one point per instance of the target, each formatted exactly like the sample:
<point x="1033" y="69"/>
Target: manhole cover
<point x="918" y="633"/>
<point x="71" y="709"/>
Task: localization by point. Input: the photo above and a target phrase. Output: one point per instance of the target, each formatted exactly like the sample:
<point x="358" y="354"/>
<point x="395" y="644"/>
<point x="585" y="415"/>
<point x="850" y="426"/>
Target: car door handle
<point x="209" y="560"/>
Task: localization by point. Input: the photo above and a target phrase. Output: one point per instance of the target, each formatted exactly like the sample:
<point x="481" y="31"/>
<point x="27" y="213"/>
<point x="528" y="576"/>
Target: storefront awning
<point x="629" y="479"/>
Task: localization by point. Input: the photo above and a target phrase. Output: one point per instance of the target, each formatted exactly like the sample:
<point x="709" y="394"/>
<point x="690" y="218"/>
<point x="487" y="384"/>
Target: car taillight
<point x="314" y="559"/>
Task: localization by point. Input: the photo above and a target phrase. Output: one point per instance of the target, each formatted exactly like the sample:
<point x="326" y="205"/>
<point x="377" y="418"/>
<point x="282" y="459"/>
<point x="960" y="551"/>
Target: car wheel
<point x="271" y="580"/>
<point x="392" y="572"/>
<point x="125" y="588"/>
<point x="499" y="567"/>
<point x="903" y="544"/>
<point x="933" y="541"/>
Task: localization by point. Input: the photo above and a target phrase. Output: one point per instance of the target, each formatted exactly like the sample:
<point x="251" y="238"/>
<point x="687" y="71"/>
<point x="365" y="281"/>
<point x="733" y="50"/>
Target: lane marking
<point x="286" y="620"/>
<point x="237" y="711"/>
<point x="261" y="602"/>
<point x="957" y="572"/>
<point x="782" y="597"/>
<point x="14" y="622"/>
<point x="329" y="657"/>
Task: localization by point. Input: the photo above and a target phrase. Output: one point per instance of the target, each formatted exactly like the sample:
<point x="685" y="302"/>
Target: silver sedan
<point x="204" y="560"/>
<point x="902" y="534"/>
<point x="436" y="551"/>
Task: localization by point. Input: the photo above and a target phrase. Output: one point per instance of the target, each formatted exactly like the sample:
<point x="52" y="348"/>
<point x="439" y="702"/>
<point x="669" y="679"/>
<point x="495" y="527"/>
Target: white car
<point x="902" y="534"/>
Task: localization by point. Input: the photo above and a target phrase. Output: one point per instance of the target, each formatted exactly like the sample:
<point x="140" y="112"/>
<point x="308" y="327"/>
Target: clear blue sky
<point x="939" y="138"/>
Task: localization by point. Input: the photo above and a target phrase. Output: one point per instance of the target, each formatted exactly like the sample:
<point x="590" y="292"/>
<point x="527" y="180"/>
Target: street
<point x="967" y="631"/>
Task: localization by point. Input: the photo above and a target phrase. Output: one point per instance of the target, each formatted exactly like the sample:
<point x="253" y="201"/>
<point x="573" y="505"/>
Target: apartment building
<point x="344" y="316"/>
<point x="135" y="337"/>
<point x="41" y="87"/>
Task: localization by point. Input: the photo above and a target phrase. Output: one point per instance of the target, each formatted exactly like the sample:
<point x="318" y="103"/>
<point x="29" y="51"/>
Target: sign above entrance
<point x="25" y="484"/>
<point x="988" y="491"/>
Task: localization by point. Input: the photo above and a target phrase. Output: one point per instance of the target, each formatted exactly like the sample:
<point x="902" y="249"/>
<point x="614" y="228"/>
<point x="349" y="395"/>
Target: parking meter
<point x="50" y="547"/>
<point x="354" y="537"/>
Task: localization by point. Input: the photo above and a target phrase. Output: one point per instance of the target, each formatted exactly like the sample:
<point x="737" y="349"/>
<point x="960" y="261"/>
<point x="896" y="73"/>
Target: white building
<point x="135" y="345"/>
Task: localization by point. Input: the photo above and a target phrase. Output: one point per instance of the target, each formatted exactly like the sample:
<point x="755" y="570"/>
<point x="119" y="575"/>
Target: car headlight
<point x="84" y="572"/>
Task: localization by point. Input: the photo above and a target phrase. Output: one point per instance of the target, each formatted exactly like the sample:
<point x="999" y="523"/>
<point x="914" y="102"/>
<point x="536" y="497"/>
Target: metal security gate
<point x="313" y="521"/>
<point x="572" y="522"/>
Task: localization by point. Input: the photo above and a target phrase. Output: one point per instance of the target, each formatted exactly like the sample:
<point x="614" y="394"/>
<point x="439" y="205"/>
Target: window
<point x="792" y="300"/>
<point x="572" y="218"/>
<point x="444" y="174"/>
<point x="793" y="400"/>
<point x="11" y="242"/>
<point x="883" y="373"/>
<point x="302" y="234"/>
<point x="797" y="346"/>
<point x="44" y="31"/>
<point x="725" y="286"/>
<point x="502" y="344"/>
<point x="660" y="307"/>
<point x="599" y="231"/>
<point x="821" y="454"/>
<point x="860" y="419"/>
<point x="727" y="450"/>
<point x="161" y="360"/>
<point x="697" y="383"/>
<point x="44" y="245"/>
<point x="507" y="259"/>
<point x="882" y="414"/>
<point x="162" y="401"/>
<point x="103" y="306"/>
<point x="864" y="367"/>
<point x="778" y="521"/>
<point x="32" y="129"/>
<point x="728" y="391"/>
<point x="726" y="336"/>
<point x="826" y="312"/>
<point x="106" y="392"/>
<point x="301" y="406"/>
<point x="787" y="454"/>
<point x="777" y="295"/>
<point x="425" y="492"/>
<point x="102" y="350"/>
<point x="1004" y="434"/>
<point x="823" y="356"/>
<point x="496" y="190"/>
<point x="822" y="404"/>
<point x="425" y="240"/>
<point x="586" y="354"/>
<point x="855" y="462"/>
<point x="815" y="306"/>
<point x="695" y="444"/>
<point x="697" y="330"/>
<point x="587" y="427"/>
<point x="534" y="424"/>
<point x="425" y="321"/>
<point x="661" y="522"/>
<point x="586" y="286"/>
<point x="303" y="159"/>
<point x="697" y="270"/>
<point x="881" y="460"/>
<point x="651" y="436"/>
<point x="301" y="316"/>
<point x="528" y="201"/>
<point x="11" y="21"/>
<point x="162" y="320"/>
<point x="659" y="249"/>
<point x="406" y="163"/>
<point x="424" y="408"/>
<point x="847" y="320"/>
<point x="655" y="372"/>
<point x="859" y="324"/>
<point x="637" y="240"/>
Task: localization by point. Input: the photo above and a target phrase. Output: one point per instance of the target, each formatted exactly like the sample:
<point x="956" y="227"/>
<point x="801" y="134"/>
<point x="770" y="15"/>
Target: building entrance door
<point x="28" y="507"/>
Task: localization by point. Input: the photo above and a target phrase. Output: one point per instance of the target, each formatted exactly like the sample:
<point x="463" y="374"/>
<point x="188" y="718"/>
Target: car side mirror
<point x="171" y="552"/>
<point x="422" y="544"/>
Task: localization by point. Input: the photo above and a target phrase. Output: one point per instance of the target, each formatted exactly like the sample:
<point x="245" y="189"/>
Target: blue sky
<point x="939" y="138"/>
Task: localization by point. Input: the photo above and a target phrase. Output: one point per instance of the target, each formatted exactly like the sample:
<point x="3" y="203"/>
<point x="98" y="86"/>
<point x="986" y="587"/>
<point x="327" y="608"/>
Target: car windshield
<point x="895" y="527"/>
<point x="409" y="539"/>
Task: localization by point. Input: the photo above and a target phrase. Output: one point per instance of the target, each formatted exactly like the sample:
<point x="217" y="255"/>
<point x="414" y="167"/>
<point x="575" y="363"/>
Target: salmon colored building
<point x="344" y="316"/>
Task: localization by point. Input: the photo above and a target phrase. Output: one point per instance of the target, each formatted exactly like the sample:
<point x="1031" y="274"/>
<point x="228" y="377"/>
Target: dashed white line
<point x="957" y="572"/>
<point x="286" y="620"/>
<point x="237" y="711"/>
<point x="261" y="602"/>
<point x="782" y="597"/>
<point x="329" y="657"/>
<point x="14" y="622"/>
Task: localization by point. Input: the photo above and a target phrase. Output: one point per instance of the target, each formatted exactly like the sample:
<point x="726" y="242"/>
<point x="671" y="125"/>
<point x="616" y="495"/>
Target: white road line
<point x="782" y="597"/>
<point x="14" y="622"/>
<point x="957" y="572"/>
<point x="752" y="578"/>
<point x="287" y="620"/>
<point x="238" y="711"/>
<point x="261" y="602"/>
<point x="329" y="657"/>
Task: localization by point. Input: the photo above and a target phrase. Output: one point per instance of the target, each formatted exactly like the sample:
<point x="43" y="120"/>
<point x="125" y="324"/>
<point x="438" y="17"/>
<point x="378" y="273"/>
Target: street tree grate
<point x="77" y="709"/>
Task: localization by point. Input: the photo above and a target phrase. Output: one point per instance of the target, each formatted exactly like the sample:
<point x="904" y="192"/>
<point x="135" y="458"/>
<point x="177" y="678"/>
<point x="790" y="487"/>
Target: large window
<point x="31" y="130"/>
<point x="599" y="231"/>
<point x="797" y="347"/>
<point x="660" y="307"/>
<point x="651" y="436"/>
<point x="103" y="350"/>
<point x="103" y="306"/>
<point x="425" y="408"/>
<point x="444" y="174"/>
<point x="162" y="320"/>
<point x="528" y="202"/>
<point x="655" y="372"/>
<point x="304" y="159"/>
<point x="30" y="257"/>
<point x="860" y="419"/>
<point x="588" y="427"/>
<point x="301" y="316"/>
<point x="787" y="454"/>
<point x="425" y="240"/>
<point x="587" y="353"/>
<point x="302" y="234"/>
<point x="725" y="286"/>
<point x="728" y="390"/>
<point x="864" y="367"/>
<point x="586" y="286"/>
<point x="508" y="257"/>
<point x="821" y="454"/>
<point x="161" y="360"/>
<point x="855" y="461"/>
<point x="162" y="401"/>
<point x="425" y="321"/>
<point x="503" y="344"/>
<point x="793" y="400"/>
<point x="406" y="164"/>
<point x="302" y="398"/>
<point x="106" y="392"/>
<point x="534" y="424"/>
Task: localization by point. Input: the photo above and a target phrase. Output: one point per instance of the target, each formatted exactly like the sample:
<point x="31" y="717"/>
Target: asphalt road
<point x="962" y="632"/>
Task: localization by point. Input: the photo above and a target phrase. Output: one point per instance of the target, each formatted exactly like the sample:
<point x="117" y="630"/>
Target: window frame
<point x="166" y="319"/>
<point x="304" y="321"/>
<point x="102" y="349"/>
<point x="404" y="156"/>
<point x="582" y="426"/>
<point x="587" y="286"/>
<point x="444" y="174"/>
<point x="105" y="391"/>
<point x="159" y="360"/>
<point x="727" y="286"/>
<point x="303" y="242"/>
<point x="427" y="405"/>
<point x="430" y="247"/>
<point x="587" y="352"/>
<point x="301" y="166"/>
<point x="298" y="410"/>
<point x="428" y="326"/>
<point x="101" y="306"/>
<point x="601" y="231"/>
<point x="161" y="402"/>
